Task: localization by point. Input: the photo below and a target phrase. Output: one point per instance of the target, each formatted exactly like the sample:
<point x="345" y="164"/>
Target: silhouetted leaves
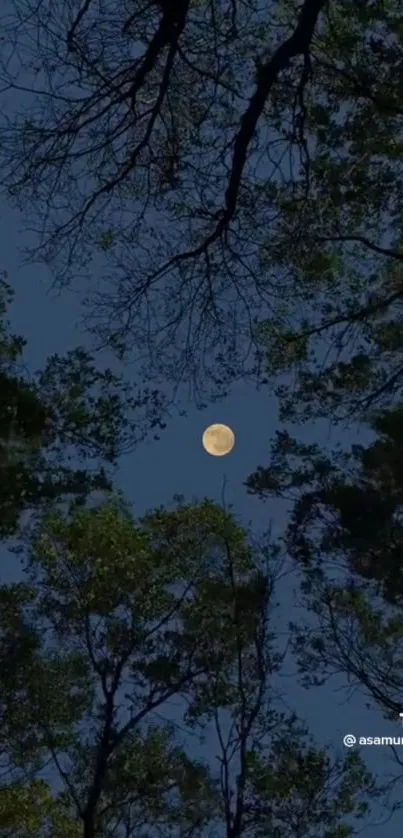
<point x="154" y="151"/>
<point x="72" y="411"/>
<point x="122" y="616"/>
<point x="345" y="535"/>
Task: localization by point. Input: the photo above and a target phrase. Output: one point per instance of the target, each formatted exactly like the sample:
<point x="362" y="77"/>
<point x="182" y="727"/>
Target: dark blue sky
<point x="153" y="473"/>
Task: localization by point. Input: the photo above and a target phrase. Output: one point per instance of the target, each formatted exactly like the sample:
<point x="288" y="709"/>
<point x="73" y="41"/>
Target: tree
<point x="31" y="810"/>
<point x="129" y="614"/>
<point x="342" y="343"/>
<point x="345" y="535"/>
<point x="166" y="127"/>
<point x="72" y="410"/>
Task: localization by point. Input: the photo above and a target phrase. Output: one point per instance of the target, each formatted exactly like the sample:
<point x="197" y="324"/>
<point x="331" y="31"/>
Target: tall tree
<point x="72" y="410"/>
<point x="345" y="534"/>
<point x="127" y="615"/>
<point x="158" y="133"/>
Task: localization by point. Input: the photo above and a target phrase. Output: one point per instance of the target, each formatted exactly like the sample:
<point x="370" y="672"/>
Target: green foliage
<point x="345" y="535"/>
<point x="69" y="411"/>
<point x="289" y="790"/>
<point x="341" y="251"/>
<point x="115" y="618"/>
<point x="31" y="810"/>
<point x="106" y="240"/>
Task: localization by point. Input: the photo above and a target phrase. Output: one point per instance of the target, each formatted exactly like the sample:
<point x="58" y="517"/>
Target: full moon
<point x="218" y="440"/>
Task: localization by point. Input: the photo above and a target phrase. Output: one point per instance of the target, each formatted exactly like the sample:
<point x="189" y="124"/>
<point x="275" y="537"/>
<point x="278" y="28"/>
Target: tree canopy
<point x="126" y="640"/>
<point x="70" y="412"/>
<point x="344" y="533"/>
<point x="236" y="166"/>
<point x="230" y="175"/>
<point x="115" y="618"/>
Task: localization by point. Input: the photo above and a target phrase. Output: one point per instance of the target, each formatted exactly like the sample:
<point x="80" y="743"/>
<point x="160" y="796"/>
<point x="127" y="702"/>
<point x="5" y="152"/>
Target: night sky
<point x="177" y="463"/>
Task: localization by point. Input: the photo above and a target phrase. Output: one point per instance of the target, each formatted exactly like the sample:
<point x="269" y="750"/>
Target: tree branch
<point x="297" y="44"/>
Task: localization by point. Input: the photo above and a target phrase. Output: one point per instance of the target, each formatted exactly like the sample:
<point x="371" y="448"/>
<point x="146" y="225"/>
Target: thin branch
<point x="75" y="24"/>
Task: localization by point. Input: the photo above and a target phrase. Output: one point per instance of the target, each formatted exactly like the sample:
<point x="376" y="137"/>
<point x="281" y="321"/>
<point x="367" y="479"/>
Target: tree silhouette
<point x="345" y="535"/>
<point x="121" y="617"/>
<point x="70" y="411"/>
<point x="239" y="169"/>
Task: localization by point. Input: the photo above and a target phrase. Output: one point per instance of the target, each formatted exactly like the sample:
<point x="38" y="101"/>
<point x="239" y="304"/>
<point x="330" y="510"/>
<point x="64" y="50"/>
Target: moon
<point x="218" y="440"/>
